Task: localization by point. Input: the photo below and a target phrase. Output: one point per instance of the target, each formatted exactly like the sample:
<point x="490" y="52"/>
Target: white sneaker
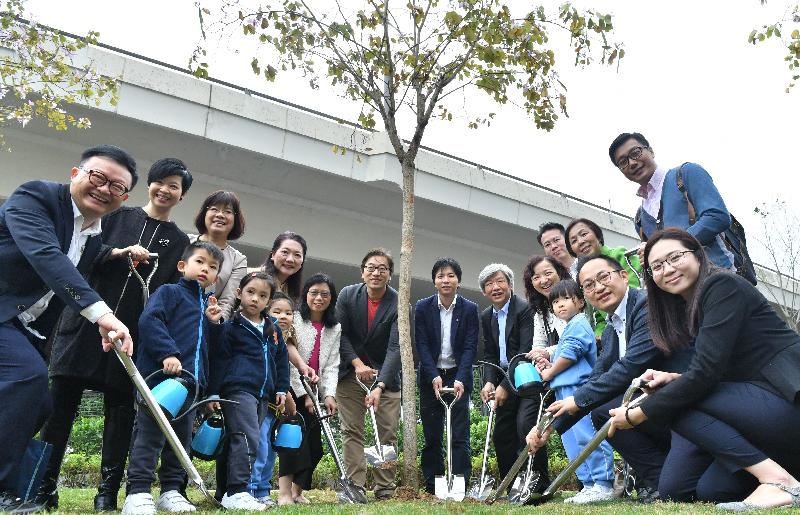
<point x="173" y="502"/>
<point x="579" y="495"/>
<point x="598" y="493"/>
<point x="139" y="504"/>
<point x="242" y="501"/>
<point x="267" y="501"/>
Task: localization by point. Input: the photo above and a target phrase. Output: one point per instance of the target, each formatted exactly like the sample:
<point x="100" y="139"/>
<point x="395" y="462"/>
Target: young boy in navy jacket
<point x="252" y="368"/>
<point x="173" y="328"/>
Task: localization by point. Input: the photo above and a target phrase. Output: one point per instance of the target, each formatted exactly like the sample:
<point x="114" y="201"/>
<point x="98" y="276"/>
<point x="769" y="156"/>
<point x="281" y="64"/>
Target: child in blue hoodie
<point x="173" y="331"/>
<point x="570" y="366"/>
<point x="252" y="368"/>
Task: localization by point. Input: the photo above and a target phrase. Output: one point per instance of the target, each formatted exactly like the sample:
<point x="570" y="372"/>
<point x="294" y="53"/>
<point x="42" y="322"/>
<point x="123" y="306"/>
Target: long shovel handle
<point x="326" y="428"/>
<point x="599" y="436"/>
<point x="159" y="417"/>
<point x="491" y="405"/>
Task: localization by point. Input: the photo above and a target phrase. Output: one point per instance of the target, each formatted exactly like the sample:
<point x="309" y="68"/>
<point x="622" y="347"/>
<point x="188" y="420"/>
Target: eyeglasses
<point x="603" y="278"/>
<point x="321" y="294"/>
<point x="674" y="259"/>
<point x="215" y="211"/>
<point x="372" y="268"/>
<point x="635" y="153"/>
<point x="99" y="179"/>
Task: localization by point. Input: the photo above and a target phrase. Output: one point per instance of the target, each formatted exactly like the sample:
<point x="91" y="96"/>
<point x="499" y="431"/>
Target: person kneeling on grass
<point x="572" y="364"/>
<point x="252" y="369"/>
<point x="173" y="327"/>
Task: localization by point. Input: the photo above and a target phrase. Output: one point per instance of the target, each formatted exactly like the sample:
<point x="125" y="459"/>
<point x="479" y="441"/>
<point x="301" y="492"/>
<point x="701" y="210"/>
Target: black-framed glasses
<point x="99" y="179"/>
<point x="380" y="269"/>
<point x="603" y="278"/>
<point x="674" y="259"/>
<point x="635" y="153"/>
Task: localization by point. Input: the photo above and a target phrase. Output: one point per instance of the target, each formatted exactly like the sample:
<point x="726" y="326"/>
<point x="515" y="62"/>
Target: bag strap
<point x="637" y="221"/>
<point x="682" y="189"/>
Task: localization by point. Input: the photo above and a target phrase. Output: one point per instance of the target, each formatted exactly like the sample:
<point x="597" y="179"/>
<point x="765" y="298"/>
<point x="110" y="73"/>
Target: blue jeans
<point x="261" y="478"/>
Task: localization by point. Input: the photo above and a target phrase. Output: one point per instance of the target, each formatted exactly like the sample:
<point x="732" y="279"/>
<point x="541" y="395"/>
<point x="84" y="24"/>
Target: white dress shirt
<point x="447" y="359"/>
<point x="74" y="253"/>
<point x="651" y="192"/>
<point x="617" y="320"/>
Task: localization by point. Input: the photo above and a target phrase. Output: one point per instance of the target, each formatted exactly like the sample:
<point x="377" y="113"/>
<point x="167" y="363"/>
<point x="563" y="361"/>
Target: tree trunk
<point x="404" y="328"/>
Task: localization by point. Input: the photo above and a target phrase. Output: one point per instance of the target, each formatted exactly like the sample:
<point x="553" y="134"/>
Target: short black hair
<point x="380" y="251"/>
<point x="444" y="263"/>
<point x="222" y="198"/>
<point x="167" y="167"/>
<point x="621" y="139"/>
<point x="329" y="317"/>
<point x="212" y="249"/>
<point x="565" y="289"/>
<point x="613" y="263"/>
<point x="549" y="226"/>
<point x="598" y="232"/>
<point x="116" y="154"/>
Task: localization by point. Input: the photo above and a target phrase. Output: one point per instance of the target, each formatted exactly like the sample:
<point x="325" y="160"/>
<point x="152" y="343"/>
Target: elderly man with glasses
<point x="49" y="238"/>
<point x="663" y="199"/>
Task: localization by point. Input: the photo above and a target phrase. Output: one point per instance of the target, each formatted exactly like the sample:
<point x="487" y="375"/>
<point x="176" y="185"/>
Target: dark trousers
<point x="301" y="464"/>
<point x="119" y="414"/>
<point x="243" y="423"/>
<point x="736" y="426"/>
<point x="432" y="413"/>
<point x="644" y="448"/>
<point x="513" y="421"/>
<point x="24" y="400"/>
<point x="148" y="443"/>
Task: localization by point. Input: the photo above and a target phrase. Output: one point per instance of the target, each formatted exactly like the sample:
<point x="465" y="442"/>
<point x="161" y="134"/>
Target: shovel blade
<point x="375" y="458"/>
<point x="348" y="492"/>
<point x="480" y="491"/>
<point x="454" y="492"/>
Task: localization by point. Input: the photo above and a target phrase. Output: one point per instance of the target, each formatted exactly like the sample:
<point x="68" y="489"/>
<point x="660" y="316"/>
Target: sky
<point x="689" y="82"/>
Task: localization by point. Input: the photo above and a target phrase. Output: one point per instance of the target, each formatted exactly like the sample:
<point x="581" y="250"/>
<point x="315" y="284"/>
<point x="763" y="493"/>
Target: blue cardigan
<point x="173" y="323"/>
<point x="712" y="215"/>
<point x="245" y="360"/>
<point x="576" y="344"/>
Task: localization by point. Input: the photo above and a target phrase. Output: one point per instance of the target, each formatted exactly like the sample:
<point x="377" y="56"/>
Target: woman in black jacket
<point x="738" y="400"/>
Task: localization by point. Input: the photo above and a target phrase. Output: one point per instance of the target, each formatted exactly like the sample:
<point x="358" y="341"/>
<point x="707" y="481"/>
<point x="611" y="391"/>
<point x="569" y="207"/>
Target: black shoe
<point x="647" y="495"/>
<point x="10" y="503"/>
<point x="105" y="501"/>
<point x="49" y="500"/>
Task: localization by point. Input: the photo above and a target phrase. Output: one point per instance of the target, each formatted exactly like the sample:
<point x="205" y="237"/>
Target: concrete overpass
<point x="280" y="159"/>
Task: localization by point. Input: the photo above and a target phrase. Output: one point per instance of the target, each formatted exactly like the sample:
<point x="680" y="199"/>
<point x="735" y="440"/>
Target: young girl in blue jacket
<point x="253" y="369"/>
<point x="569" y="367"/>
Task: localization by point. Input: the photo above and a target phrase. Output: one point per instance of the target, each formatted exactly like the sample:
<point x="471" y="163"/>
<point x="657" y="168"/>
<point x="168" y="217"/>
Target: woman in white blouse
<point x="540" y="275"/>
<point x="317" y="334"/>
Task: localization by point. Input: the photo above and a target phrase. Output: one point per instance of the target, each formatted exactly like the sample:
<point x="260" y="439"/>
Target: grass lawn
<point x="79" y="500"/>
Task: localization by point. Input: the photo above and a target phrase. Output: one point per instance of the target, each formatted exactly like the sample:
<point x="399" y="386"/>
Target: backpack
<point x="733" y="237"/>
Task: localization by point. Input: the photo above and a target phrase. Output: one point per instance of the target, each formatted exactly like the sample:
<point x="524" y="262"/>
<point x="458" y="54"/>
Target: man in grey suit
<point x="369" y="347"/>
<point x="628" y="351"/>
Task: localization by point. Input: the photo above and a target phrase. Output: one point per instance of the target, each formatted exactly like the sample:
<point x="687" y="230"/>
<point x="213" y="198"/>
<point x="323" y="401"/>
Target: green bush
<point x="87" y="435"/>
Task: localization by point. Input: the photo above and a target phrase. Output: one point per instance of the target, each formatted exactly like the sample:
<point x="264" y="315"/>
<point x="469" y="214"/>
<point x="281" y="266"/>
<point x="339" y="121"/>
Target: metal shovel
<point x="481" y="489"/>
<point x="524" y="485"/>
<point x="378" y="454"/>
<point x="449" y="487"/>
<point x="160" y="418"/>
<point x="346" y="490"/>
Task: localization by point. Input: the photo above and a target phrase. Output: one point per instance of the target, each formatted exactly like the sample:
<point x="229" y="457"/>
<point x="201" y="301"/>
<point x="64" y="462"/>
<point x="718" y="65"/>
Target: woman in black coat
<point x="77" y="362"/>
<point x="738" y="400"/>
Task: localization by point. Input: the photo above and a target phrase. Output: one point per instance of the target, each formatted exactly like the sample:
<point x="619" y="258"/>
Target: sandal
<point x="793" y="491"/>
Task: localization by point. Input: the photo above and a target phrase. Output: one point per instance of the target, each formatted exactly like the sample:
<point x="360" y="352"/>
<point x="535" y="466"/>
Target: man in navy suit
<point x="446" y="335"/>
<point x="49" y="237"/>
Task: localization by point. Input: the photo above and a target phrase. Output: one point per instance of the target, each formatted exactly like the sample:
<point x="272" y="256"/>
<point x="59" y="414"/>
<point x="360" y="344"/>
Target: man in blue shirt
<point x="664" y="204"/>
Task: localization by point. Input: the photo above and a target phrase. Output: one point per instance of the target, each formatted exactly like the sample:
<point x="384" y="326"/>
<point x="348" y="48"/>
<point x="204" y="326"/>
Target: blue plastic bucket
<point x="207" y="441"/>
<point x="289" y="436"/>
<point x="171" y="395"/>
<point x="526" y="373"/>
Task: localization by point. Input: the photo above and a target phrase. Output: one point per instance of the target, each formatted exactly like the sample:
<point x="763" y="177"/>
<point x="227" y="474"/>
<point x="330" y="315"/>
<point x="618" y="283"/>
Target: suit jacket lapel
<point x="67" y="218"/>
<point x="380" y="313"/>
<point x="510" y="318"/>
<point x="633" y="296"/>
<point x="458" y="309"/>
<point x="436" y="320"/>
<point x="361" y="310"/>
